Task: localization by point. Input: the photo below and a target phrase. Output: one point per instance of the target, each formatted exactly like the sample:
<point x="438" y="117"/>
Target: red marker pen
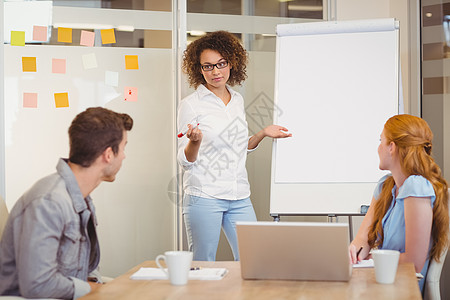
<point x="181" y="134"/>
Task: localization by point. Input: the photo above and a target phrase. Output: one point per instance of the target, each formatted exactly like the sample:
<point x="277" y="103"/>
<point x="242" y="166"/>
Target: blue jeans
<point x="204" y="217"/>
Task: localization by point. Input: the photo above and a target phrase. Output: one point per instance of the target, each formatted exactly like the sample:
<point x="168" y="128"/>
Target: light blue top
<point x="394" y="219"/>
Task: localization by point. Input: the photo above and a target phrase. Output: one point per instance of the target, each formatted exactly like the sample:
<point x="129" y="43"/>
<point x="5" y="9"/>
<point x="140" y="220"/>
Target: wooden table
<point x="362" y="285"/>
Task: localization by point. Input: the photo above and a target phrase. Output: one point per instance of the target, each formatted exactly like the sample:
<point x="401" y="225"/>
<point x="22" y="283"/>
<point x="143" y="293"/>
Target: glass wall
<point x="435" y="37"/>
<point x="435" y="69"/>
<point x="78" y="54"/>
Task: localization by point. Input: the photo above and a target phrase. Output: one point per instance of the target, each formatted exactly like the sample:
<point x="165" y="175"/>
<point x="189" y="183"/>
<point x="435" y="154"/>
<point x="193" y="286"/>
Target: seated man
<point x="49" y="245"/>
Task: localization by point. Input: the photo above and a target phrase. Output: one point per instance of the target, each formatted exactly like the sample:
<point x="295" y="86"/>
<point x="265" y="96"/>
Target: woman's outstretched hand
<point x="276" y="132"/>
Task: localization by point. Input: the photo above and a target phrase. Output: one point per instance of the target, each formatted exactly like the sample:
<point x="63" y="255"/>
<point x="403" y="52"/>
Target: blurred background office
<point x="139" y="216"/>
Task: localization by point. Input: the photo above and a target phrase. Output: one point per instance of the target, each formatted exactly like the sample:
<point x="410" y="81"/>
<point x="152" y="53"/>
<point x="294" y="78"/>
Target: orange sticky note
<point x="29" y="64"/>
<point x="40" y="33"/>
<point x="108" y="36"/>
<point x="130" y="94"/>
<point x="61" y="100"/>
<point x="87" y="38"/>
<point x="64" y="35"/>
<point x="58" y="66"/>
<point x="17" y="38"/>
<point x="131" y="62"/>
<point x="30" y="100"/>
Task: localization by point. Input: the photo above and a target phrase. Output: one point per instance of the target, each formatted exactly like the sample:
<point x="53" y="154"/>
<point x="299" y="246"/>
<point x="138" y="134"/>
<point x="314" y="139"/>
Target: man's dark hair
<point x="93" y="131"/>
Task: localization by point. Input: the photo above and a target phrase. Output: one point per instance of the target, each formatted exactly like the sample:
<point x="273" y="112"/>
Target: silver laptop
<point x="294" y="251"/>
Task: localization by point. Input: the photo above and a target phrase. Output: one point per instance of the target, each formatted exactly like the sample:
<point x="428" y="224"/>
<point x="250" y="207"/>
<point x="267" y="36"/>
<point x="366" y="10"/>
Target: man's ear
<point x="108" y="154"/>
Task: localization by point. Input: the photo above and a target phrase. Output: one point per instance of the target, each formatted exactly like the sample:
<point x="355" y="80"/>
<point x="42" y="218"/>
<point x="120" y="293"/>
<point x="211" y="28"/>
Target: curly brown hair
<point x="227" y="45"/>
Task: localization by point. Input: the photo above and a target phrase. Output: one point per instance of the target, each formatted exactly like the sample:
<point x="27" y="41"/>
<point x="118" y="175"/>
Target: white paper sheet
<point x="201" y="274"/>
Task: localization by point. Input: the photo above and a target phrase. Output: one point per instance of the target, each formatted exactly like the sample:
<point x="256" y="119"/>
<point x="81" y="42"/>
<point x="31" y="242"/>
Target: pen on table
<point x="359" y="251"/>
<point x="181" y="134"/>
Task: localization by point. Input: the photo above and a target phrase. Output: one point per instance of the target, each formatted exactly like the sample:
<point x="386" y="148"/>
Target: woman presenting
<point x="409" y="209"/>
<point x="214" y="148"/>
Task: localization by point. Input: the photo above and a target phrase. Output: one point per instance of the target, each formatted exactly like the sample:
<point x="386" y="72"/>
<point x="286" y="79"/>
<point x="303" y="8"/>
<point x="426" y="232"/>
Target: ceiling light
<point x="197" y="33"/>
<point x="127" y="28"/>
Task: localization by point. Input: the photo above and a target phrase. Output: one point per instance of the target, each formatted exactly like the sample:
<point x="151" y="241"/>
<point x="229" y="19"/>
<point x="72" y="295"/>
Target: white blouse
<point x="219" y="171"/>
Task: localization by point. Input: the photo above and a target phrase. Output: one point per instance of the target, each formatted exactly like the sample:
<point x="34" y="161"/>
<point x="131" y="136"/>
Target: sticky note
<point x="131" y="62"/>
<point x="87" y="38"/>
<point x="17" y="38"/>
<point x="64" y="35"/>
<point x="40" y="33"/>
<point x="89" y="61"/>
<point x="30" y="100"/>
<point x="29" y="64"/>
<point x="61" y="100"/>
<point x="108" y="36"/>
<point x="112" y="78"/>
<point x="130" y="94"/>
<point x="58" y="66"/>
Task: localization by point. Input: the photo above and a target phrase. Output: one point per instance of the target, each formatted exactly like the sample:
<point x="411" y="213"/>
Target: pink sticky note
<point x="130" y="94"/>
<point x="58" y="66"/>
<point x="30" y="100"/>
<point x="40" y="33"/>
<point x="87" y="38"/>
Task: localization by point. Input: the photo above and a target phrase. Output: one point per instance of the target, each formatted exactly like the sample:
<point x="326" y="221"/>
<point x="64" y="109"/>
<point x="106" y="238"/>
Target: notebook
<point x="294" y="251"/>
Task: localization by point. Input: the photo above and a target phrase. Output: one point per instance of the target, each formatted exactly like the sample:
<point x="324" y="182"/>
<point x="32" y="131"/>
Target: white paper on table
<point x="201" y="274"/>
<point x="207" y="274"/>
<point x="149" y="274"/>
<point x="364" y="264"/>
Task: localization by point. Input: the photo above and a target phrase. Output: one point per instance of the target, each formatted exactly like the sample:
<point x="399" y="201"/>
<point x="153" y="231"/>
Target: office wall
<point x="135" y="213"/>
<point x="435" y="93"/>
<point x="2" y="121"/>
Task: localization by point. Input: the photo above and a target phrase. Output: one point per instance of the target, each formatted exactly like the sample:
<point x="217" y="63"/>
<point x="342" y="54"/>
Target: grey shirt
<point x="49" y="244"/>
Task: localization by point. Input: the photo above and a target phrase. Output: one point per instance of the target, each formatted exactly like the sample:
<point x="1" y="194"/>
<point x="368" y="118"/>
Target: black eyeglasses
<point x="219" y="65"/>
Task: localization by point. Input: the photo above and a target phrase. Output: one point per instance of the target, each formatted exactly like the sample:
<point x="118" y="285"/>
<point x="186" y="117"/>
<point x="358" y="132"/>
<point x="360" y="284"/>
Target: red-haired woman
<point x="409" y="209"/>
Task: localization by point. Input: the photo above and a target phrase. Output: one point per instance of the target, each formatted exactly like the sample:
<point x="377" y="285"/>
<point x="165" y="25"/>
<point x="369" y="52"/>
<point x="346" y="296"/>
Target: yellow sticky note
<point x="17" y="38"/>
<point x="131" y="62"/>
<point x="64" y="35"/>
<point x="108" y="36"/>
<point x="61" y="100"/>
<point x="29" y="64"/>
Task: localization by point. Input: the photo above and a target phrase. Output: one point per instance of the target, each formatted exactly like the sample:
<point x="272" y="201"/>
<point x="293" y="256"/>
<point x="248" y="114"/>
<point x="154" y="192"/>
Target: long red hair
<point x="413" y="138"/>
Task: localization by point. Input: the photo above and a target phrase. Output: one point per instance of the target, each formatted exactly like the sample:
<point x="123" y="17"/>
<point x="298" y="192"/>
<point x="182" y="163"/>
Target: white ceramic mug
<point x="178" y="265"/>
<point x="385" y="262"/>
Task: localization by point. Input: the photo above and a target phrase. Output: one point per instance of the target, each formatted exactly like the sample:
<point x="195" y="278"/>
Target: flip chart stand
<point x="332" y="218"/>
